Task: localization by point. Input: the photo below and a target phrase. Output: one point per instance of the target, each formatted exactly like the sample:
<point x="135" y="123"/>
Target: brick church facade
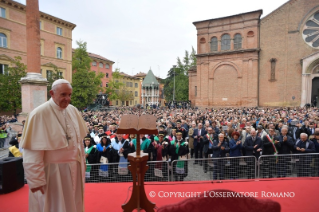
<point x="245" y="60"/>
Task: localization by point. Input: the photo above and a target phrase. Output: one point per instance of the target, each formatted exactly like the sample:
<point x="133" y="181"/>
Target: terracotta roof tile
<point x="92" y="55"/>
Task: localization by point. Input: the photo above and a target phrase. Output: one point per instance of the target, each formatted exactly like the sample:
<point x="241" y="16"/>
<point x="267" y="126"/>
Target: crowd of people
<point x="208" y="133"/>
<point x="201" y="134"/>
<point x="6" y="130"/>
<point x="179" y="104"/>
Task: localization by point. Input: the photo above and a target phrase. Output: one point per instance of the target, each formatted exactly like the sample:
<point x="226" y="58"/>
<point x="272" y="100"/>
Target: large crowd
<point x="199" y="134"/>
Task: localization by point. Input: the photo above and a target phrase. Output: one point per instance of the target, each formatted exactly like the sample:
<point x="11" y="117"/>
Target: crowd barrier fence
<point x="221" y="168"/>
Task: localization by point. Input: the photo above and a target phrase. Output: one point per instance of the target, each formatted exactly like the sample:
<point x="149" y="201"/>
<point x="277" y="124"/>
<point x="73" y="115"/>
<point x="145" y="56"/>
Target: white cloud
<point x="144" y="33"/>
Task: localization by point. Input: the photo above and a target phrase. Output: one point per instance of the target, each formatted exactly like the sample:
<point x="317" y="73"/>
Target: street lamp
<point x="174" y="66"/>
<point x="152" y="93"/>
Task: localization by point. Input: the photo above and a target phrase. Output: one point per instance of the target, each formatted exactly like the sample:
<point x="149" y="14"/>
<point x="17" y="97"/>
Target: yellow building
<point x="130" y="92"/>
<point x="55" y="34"/>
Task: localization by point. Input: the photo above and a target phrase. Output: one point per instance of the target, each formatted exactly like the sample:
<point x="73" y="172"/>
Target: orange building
<point x="102" y="64"/>
<point x="56" y="39"/>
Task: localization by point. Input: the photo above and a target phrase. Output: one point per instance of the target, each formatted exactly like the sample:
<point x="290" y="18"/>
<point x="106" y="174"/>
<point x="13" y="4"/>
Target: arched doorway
<point x="315" y="91"/>
<point x="225" y="87"/>
<point x="309" y="79"/>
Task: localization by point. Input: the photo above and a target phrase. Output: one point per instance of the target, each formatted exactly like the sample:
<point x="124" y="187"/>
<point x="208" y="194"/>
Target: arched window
<point x="3" y="40"/>
<point x="101" y="65"/>
<point x="59" y="53"/>
<point x="226" y="42"/>
<point x="107" y="66"/>
<point x="214" y="44"/>
<point x="237" y="41"/>
<point x="93" y="63"/>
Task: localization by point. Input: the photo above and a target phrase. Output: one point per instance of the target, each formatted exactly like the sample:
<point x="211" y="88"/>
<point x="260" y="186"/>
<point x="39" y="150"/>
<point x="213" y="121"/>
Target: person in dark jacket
<point x="253" y="147"/>
<point x="301" y="129"/>
<point x="220" y="148"/>
<point x="284" y="146"/>
<point x="235" y="147"/>
<point x="269" y="162"/>
<point x="304" y="146"/>
<point x="208" y="145"/>
<point x="315" y="140"/>
<point x="198" y="136"/>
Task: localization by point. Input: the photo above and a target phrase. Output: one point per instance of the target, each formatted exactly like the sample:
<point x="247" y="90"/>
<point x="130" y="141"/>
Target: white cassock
<point x="53" y="161"/>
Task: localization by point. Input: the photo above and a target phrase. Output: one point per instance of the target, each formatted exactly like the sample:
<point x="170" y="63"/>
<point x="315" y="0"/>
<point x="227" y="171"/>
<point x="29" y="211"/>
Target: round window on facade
<point x="310" y="31"/>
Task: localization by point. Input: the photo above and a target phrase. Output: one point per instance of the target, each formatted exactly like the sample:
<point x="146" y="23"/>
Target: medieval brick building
<point x="245" y="60"/>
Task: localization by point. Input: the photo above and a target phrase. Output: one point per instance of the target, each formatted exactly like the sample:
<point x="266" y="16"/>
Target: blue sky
<point x="139" y="34"/>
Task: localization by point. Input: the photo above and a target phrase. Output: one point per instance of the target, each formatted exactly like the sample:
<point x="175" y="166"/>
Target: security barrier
<point x="119" y="172"/>
<point x="289" y="165"/>
<point x="221" y="168"/>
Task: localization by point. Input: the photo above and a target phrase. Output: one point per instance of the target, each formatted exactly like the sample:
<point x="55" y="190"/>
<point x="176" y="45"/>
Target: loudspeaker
<point x="11" y="174"/>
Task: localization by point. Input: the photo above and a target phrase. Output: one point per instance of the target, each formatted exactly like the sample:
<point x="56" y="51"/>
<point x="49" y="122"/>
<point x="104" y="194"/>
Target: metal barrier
<point x="119" y="172"/>
<point x="243" y="167"/>
<point x="290" y="165"/>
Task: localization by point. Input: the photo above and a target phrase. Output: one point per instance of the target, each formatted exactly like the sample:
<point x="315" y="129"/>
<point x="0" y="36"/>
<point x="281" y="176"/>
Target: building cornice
<point x="228" y="52"/>
<point x="259" y="12"/>
<point x="22" y="8"/>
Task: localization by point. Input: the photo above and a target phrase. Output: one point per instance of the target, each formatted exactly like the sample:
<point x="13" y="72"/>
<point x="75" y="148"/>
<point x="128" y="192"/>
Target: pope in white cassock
<point x="54" y="159"/>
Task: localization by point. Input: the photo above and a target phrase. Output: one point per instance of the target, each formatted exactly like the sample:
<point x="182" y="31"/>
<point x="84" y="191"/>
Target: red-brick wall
<point x="227" y="78"/>
<point x="281" y="38"/>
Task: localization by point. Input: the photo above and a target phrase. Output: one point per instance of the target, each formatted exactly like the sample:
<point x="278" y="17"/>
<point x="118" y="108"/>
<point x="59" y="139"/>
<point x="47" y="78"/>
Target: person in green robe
<point x="179" y="153"/>
<point x="90" y="156"/>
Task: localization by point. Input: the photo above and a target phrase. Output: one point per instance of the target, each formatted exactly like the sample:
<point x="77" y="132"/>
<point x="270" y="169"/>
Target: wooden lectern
<point x="134" y="124"/>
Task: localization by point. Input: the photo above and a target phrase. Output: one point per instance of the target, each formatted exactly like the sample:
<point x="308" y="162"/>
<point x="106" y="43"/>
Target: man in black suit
<point x="311" y="128"/>
<point x="269" y="163"/>
<point x="304" y="146"/>
<point x="284" y="146"/>
<point x="198" y="136"/>
<point x="253" y="146"/>
<point x="220" y="147"/>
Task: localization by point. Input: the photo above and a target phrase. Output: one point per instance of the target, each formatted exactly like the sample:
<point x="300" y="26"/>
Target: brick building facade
<point x="55" y="34"/>
<point x="244" y="60"/>
<point x="102" y="64"/>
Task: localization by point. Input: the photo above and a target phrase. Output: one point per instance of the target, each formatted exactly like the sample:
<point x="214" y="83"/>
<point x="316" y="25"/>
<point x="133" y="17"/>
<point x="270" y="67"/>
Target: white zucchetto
<point x="60" y="81"/>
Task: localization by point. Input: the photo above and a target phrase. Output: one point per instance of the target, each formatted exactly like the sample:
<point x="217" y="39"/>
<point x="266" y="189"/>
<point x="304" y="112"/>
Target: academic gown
<point x="104" y="169"/>
<point x="53" y="161"/>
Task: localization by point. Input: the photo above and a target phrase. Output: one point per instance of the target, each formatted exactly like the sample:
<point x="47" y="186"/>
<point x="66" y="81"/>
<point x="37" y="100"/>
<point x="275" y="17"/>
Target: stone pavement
<point x="4" y="152"/>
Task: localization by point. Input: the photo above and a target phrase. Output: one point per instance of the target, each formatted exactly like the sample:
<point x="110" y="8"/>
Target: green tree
<point x="10" y="88"/>
<point x="181" y="78"/>
<point x="85" y="83"/>
<point x="54" y="75"/>
<point x="125" y="95"/>
<point x="114" y="85"/>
